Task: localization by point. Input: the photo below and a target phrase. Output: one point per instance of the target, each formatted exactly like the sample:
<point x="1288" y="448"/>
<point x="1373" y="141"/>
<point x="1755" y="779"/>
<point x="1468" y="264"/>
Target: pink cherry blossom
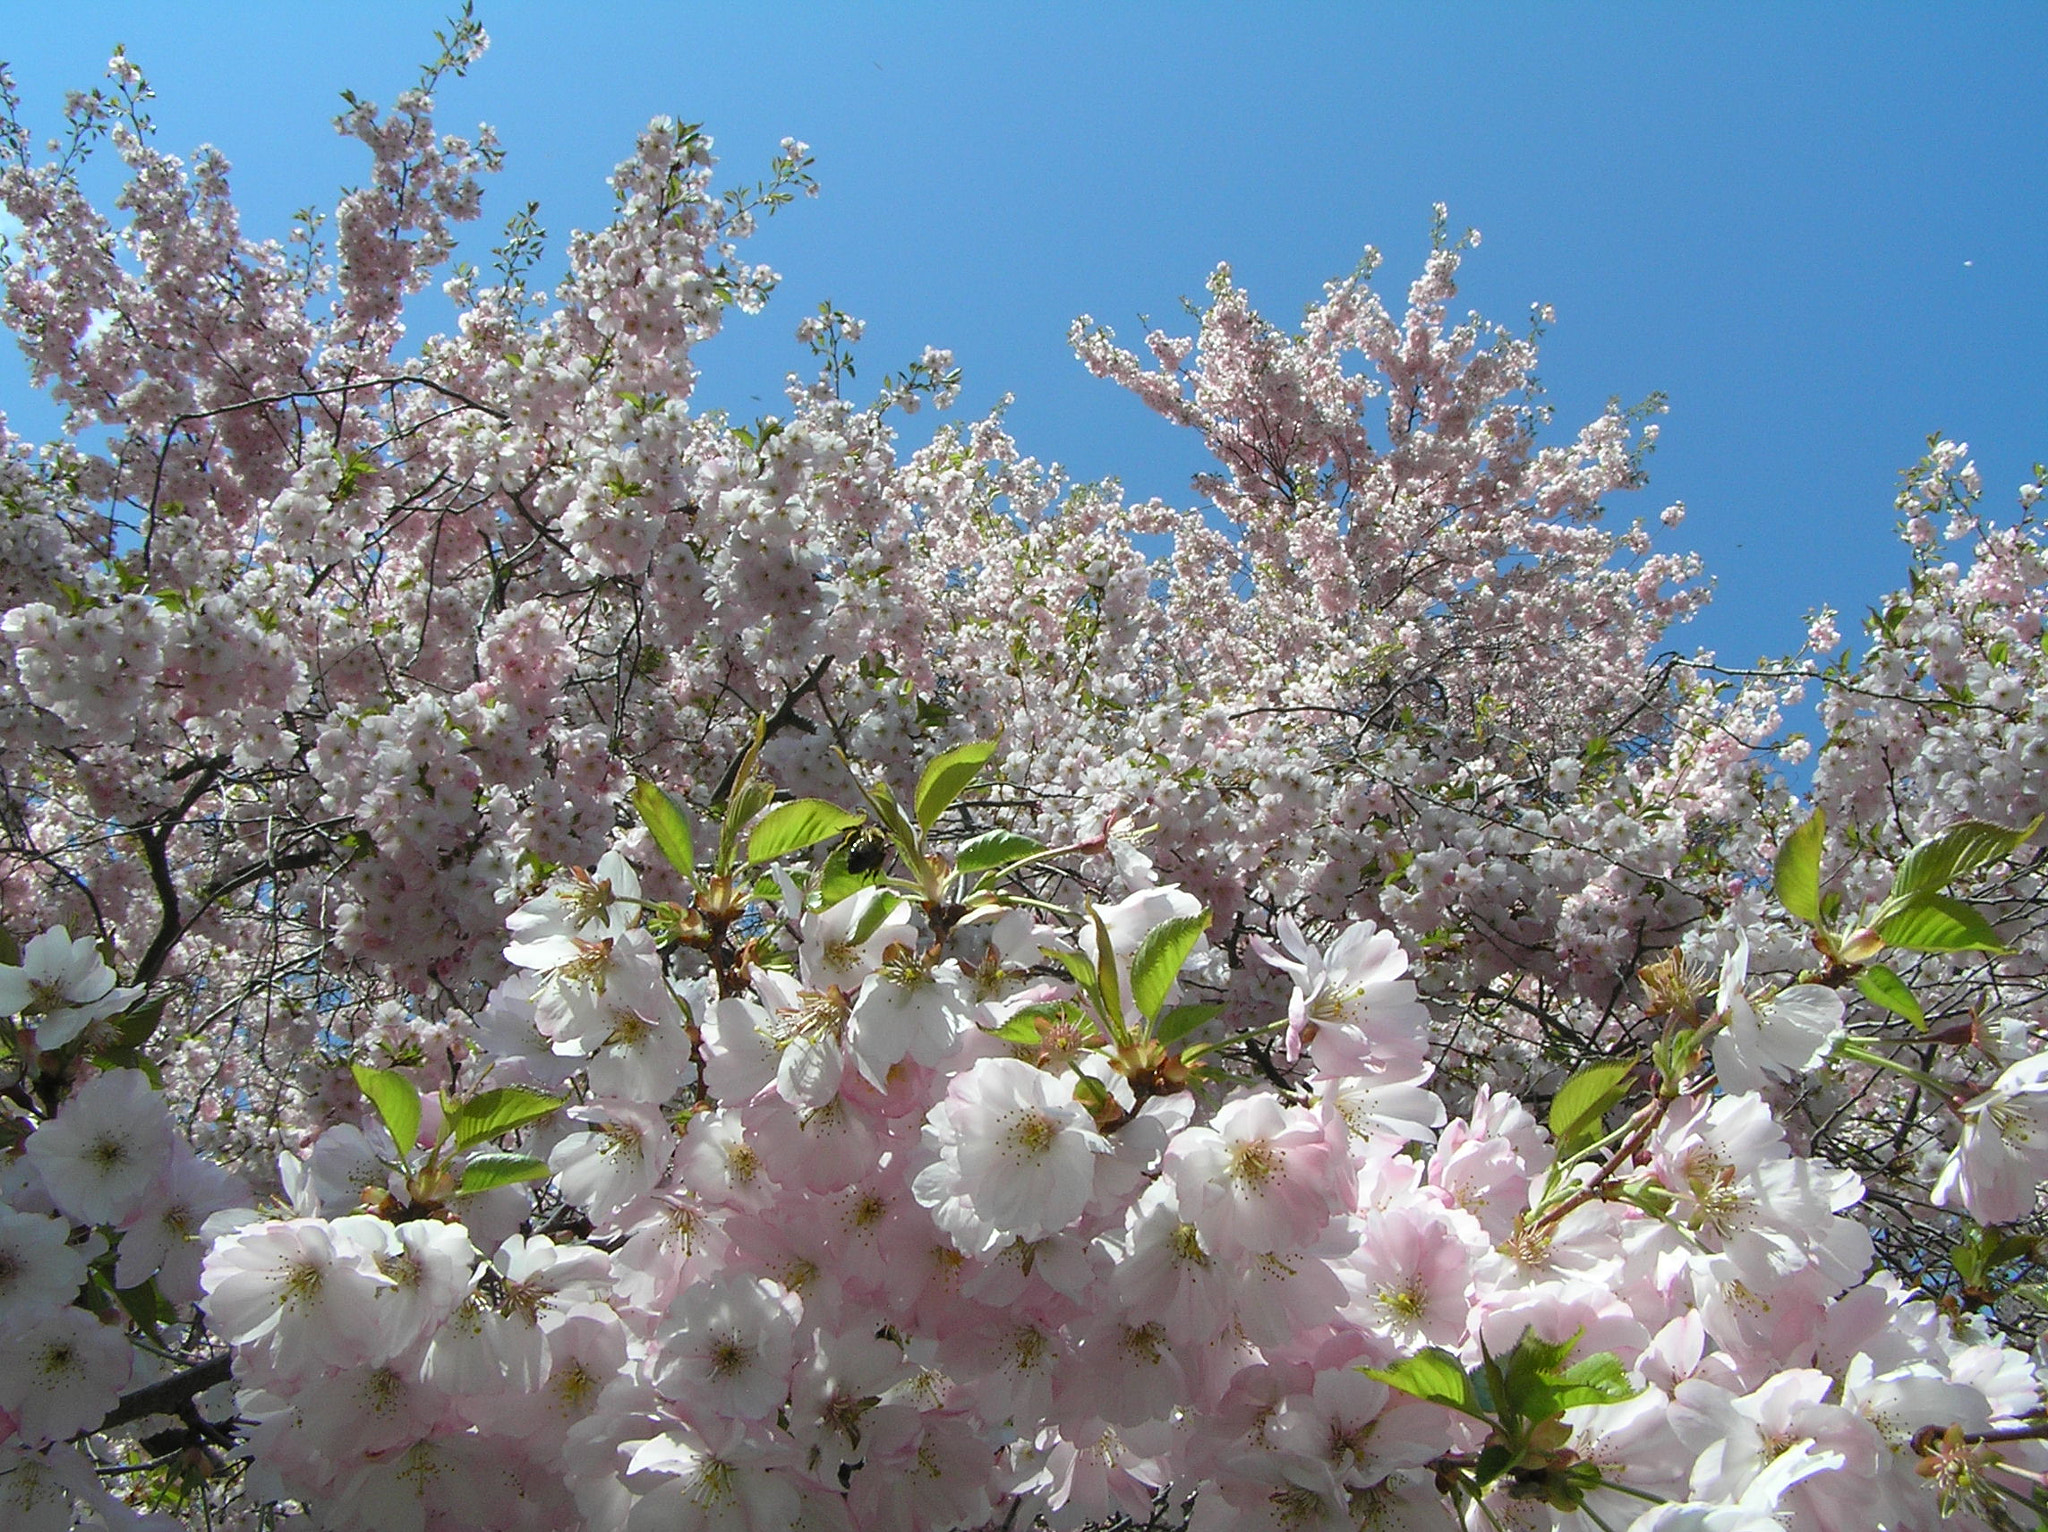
<point x="1016" y="1155"/>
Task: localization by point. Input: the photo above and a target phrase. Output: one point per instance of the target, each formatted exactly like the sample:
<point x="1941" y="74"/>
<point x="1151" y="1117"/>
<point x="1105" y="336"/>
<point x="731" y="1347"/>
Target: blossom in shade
<point x="910" y="1009"/>
<point x="61" y="1374"/>
<point x="39" y="1270"/>
<point x="1996" y="1169"/>
<point x="584" y="907"/>
<point x="62" y="986"/>
<point x="727" y="1348"/>
<point x="40" y="1490"/>
<point x="163" y="1237"/>
<point x="620" y="1160"/>
<point x="1413" y="1277"/>
<point x="310" y="1287"/>
<point x="1261" y="1176"/>
<point x="721" y="1481"/>
<point x="102" y="1153"/>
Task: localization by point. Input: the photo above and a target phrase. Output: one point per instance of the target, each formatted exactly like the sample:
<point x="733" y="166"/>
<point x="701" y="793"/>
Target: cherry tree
<point x="579" y="961"/>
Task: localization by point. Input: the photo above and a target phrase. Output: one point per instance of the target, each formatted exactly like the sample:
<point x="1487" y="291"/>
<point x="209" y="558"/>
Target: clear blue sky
<point x="1817" y="229"/>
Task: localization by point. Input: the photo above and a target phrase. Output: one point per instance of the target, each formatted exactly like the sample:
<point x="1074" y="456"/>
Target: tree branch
<point x="164" y="1396"/>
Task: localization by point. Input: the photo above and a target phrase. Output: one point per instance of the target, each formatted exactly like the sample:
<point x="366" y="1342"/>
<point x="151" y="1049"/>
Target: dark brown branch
<point x="164" y="1396"/>
<point x="784" y="717"/>
<point x="163" y="456"/>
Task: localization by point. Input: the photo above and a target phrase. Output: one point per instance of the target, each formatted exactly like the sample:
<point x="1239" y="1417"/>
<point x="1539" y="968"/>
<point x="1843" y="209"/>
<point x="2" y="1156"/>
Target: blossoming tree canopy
<point x="578" y="962"/>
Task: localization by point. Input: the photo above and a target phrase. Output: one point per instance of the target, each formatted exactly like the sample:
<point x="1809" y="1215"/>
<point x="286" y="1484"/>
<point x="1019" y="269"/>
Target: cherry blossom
<point x="102" y="1153"/>
<point x="62" y="985"/>
<point x="1015" y="1158"/>
<point x="1998" y="1166"/>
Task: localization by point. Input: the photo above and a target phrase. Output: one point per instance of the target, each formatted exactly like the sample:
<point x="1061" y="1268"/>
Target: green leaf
<point x="879" y="909"/>
<point x="1982" y="1251"/>
<point x="1583" y="1100"/>
<point x="147" y="1306"/>
<point x="994" y="848"/>
<point x="748" y="799"/>
<point x="396" y="1101"/>
<point x="1107" y="988"/>
<point x="1183" y="1019"/>
<point x="485" y="1171"/>
<point x="837" y="881"/>
<point x="1535" y="1384"/>
<point x="1022" y="1026"/>
<point x="1494" y="1459"/>
<point x="1434" y="1375"/>
<point x="1091" y="1092"/>
<point x="1157" y="962"/>
<point x="669" y="825"/>
<point x="2034" y="1294"/>
<point x="1798" y="869"/>
<point x="890" y="814"/>
<point x="1018" y="1030"/>
<point x="1958" y="851"/>
<point x="493" y="1112"/>
<point x="1651" y="1198"/>
<point x="1881" y="987"/>
<point x="1937" y="923"/>
<point x="946" y="778"/>
<point x="1599" y="1379"/>
<point x="1078" y="968"/>
<point x="134" y="1026"/>
<point x="792" y="826"/>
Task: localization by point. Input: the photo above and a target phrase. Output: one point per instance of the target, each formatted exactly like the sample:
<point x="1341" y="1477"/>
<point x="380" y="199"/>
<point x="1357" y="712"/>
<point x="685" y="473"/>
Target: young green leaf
<point x="2034" y="1294"/>
<point x="993" y="849"/>
<point x="1981" y="1251"/>
<point x="1018" y="1030"/>
<point x="1881" y="987"/>
<point x="396" y="1101"/>
<point x="1183" y="1019"/>
<point x="147" y="1306"/>
<point x="136" y="1025"/>
<point x="946" y="778"/>
<point x="1079" y="969"/>
<point x="889" y="813"/>
<point x="1091" y="1092"/>
<point x="485" y="1171"/>
<point x="1106" y="983"/>
<point x="1958" y="851"/>
<point x="494" y="1112"/>
<point x="1583" y="1101"/>
<point x="748" y="799"/>
<point x="792" y="826"/>
<point x="1434" y="1375"/>
<point x="1022" y="1027"/>
<point x="1535" y="1384"/>
<point x="879" y="909"/>
<point x="837" y="881"/>
<point x="1598" y="1379"/>
<point x="1798" y="869"/>
<point x="669" y="825"/>
<point x="1937" y="923"/>
<point x="1157" y="961"/>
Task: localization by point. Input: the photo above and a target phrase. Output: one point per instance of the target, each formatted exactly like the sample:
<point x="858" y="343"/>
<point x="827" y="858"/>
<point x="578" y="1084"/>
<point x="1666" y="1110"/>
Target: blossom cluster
<point x="899" y="1233"/>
